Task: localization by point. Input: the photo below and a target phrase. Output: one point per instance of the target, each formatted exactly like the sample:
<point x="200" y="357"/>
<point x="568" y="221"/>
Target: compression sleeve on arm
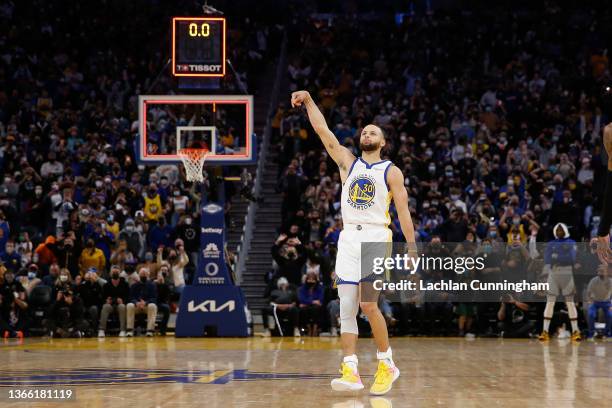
<point x="606" y="209"/>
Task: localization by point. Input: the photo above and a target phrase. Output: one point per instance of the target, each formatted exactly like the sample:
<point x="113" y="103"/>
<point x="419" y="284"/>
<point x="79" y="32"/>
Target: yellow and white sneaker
<point x="350" y="380"/>
<point x="384" y="378"/>
<point x="544" y="336"/>
<point x="576" y="336"/>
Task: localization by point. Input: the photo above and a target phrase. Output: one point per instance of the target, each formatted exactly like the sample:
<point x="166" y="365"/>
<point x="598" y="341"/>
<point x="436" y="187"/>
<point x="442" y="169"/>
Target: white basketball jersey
<point x="365" y="194"/>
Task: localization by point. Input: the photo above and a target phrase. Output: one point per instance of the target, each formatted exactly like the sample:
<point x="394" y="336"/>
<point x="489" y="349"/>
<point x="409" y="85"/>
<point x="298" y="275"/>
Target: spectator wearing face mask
<point x="13" y="305"/>
<point x="189" y="232"/>
<point x="66" y="318"/>
<point x="25" y="248"/>
<point x="10" y="258"/>
<point x="112" y="226"/>
<point x="121" y="255"/>
<point x="34" y="210"/>
<point x="163" y="297"/>
<point x="289" y="255"/>
<point x="310" y="296"/>
<point x="63" y="282"/>
<point x="46" y="256"/>
<point x="455" y="228"/>
<point x="115" y="294"/>
<point x="153" y="209"/>
<point x="512" y="223"/>
<point x="143" y="299"/>
<point x="283" y="304"/>
<point x="177" y="259"/>
<point x="180" y="203"/>
<point x="160" y="234"/>
<point x="52" y="204"/>
<point x="52" y="276"/>
<point x="513" y="318"/>
<point x="63" y="208"/>
<point x="29" y="278"/>
<point x="67" y="254"/>
<point x="102" y="238"/>
<point x="91" y="257"/>
<point x="150" y="263"/>
<point x="90" y="292"/>
<point x="132" y="237"/>
<point x="52" y="167"/>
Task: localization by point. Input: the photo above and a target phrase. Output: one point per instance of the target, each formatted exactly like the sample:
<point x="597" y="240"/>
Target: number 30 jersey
<point x="365" y="194"/>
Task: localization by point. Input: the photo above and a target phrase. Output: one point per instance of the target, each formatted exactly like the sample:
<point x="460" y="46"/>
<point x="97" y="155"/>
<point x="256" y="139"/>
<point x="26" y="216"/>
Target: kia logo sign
<point x="211" y="306"/>
<point x="212" y="208"/>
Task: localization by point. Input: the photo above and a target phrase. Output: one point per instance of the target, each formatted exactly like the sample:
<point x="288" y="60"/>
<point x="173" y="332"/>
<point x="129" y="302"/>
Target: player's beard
<point x="369" y="147"/>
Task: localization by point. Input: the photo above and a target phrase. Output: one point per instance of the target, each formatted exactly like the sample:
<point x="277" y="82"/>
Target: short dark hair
<point x="382" y="132"/>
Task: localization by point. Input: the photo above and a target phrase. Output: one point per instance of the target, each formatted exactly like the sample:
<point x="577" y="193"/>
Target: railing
<point x="249" y="220"/>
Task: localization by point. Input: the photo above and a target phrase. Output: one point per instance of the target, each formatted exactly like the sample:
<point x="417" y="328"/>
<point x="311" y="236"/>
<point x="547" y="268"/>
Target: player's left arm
<point x="603" y="234"/>
<point x="395" y="179"/>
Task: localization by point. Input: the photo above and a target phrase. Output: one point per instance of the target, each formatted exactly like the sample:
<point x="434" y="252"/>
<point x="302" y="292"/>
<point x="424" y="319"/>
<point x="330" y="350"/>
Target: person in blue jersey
<point x="559" y="260"/>
<point x="368" y="186"/>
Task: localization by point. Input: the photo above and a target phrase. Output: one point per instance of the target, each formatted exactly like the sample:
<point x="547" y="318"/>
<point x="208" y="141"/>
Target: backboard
<point x="221" y="123"/>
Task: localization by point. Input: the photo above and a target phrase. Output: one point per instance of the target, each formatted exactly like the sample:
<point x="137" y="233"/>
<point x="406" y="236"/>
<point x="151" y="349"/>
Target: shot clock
<point x="198" y="46"/>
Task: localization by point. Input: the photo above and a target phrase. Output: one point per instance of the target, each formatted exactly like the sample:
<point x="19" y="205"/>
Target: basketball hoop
<point x="193" y="160"/>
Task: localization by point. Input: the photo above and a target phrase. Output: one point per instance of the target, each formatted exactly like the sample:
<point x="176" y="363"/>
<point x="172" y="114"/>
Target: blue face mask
<point x="31" y="275"/>
<point x="488" y="249"/>
<point x="493" y="234"/>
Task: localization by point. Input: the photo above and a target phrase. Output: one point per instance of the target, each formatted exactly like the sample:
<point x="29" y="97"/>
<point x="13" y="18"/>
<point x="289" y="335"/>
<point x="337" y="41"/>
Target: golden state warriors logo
<point x="361" y="192"/>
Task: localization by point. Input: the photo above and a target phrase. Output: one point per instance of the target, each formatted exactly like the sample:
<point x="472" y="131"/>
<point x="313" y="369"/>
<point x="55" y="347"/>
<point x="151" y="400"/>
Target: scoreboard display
<point x="198" y="46"/>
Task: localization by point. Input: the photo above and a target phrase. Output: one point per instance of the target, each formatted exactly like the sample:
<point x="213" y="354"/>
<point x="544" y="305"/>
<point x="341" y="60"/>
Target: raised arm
<point x="340" y="154"/>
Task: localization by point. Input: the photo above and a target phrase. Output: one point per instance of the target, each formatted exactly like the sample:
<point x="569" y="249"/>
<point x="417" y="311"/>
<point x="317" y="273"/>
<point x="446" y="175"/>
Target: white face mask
<point x="188" y="221"/>
<point x="63" y="278"/>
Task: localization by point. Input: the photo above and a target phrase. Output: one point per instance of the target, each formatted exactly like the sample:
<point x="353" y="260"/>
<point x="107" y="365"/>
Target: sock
<point x="387" y="356"/>
<point x="351" y="361"/>
<point x="573" y="315"/>
<point x="546" y="324"/>
<point x="574" y="325"/>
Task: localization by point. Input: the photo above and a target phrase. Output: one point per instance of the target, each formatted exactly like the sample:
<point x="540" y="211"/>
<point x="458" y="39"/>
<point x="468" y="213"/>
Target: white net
<point x="193" y="160"/>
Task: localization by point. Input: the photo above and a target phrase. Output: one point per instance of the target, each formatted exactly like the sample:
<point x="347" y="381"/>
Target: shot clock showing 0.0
<point x="198" y="46"/>
<point x="199" y="30"/>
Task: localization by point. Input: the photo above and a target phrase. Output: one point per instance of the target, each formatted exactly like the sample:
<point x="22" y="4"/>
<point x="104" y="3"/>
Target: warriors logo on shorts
<point x="361" y="192"/>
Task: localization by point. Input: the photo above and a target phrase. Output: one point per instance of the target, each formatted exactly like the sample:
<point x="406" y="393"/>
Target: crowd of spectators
<point x="494" y="114"/>
<point x="76" y="208"/>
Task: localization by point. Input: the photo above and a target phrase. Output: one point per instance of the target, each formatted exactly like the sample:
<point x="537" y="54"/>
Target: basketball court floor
<point x="287" y="372"/>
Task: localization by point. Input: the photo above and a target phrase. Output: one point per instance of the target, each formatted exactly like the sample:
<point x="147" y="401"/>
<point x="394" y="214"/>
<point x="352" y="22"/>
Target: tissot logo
<point x="210" y="306"/>
<point x="204" y="68"/>
<point x="212" y="208"/>
<point x="212" y="230"/>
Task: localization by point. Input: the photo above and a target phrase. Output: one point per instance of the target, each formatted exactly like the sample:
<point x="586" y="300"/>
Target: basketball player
<point x="603" y="234"/>
<point x="559" y="260"/>
<point x="368" y="184"/>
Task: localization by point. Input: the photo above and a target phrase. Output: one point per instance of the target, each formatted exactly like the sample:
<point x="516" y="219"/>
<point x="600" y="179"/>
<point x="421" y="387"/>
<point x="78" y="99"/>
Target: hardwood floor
<point x="274" y="372"/>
